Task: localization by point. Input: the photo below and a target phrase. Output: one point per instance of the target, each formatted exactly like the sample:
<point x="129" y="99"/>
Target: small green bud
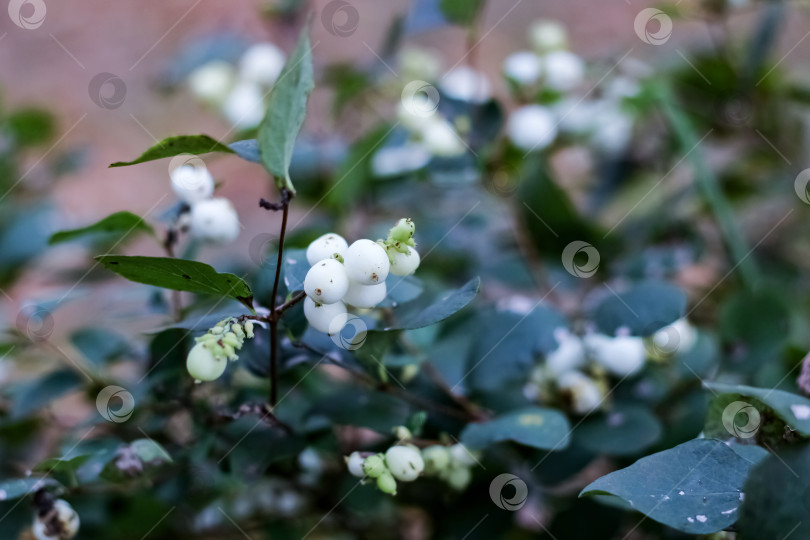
<point x="374" y="466"/>
<point x="237" y="329"/>
<point x="233" y="340"/>
<point x="249" y="329"/>
<point x="402" y="433"/>
<point x="402" y="231"/>
<point x="217" y="330"/>
<point x="386" y="483"/>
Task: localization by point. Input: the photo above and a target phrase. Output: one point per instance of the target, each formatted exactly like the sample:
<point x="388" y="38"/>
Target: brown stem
<point x="297" y="297"/>
<point x="469" y="407"/>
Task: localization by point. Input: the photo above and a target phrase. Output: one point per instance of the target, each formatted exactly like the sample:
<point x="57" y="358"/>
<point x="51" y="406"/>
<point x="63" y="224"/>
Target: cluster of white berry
<point x="56" y="520"/>
<point x="406" y="463"/>
<point x="239" y="90"/>
<point x="208" y="359"/>
<point x="211" y="219"/>
<point x="578" y="369"/>
<point x="354" y="275"/>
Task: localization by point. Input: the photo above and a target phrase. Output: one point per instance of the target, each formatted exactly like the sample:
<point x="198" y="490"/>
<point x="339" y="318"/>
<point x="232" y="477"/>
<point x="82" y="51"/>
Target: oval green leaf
<point x="538" y="427"/>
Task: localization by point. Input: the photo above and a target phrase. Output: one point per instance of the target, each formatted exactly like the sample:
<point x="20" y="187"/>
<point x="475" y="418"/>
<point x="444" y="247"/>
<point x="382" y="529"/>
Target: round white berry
<point x="366" y="262"/>
<point x="66" y="517"/>
<point x="192" y="183"/>
<point x="547" y="35"/>
<point x="365" y="296"/>
<point x="326" y="247"/>
<point x="404" y="462"/>
<point x="620" y="355"/>
<point x="586" y="396"/>
<point x="461" y="456"/>
<point x="212" y="82"/>
<point x="244" y="106"/>
<point x="440" y="138"/>
<point x="419" y="64"/>
<point x="569" y="354"/>
<point x="523" y="67"/>
<point x="466" y="84"/>
<point x="679" y="336"/>
<point x="562" y="70"/>
<point x="436" y="458"/>
<point x="532" y="127"/>
<point x="203" y="366"/>
<point x="326" y="282"/>
<point x="262" y="63"/>
<point x="327" y="318"/>
<point x="355" y="464"/>
<point x="214" y="220"/>
<point x="404" y="264"/>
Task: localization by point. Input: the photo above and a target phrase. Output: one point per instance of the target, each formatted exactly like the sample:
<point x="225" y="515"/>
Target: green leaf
<point x="625" y="431"/>
<point x="644" y="309"/>
<point x="59" y="465"/>
<point x="295" y="269"/>
<point x="179" y="275"/>
<point x="449" y="304"/>
<point x="793" y="409"/>
<point x="286" y="109"/>
<point x="777" y="497"/>
<point x="124" y="223"/>
<point x="182" y="144"/>
<point x="358" y="407"/>
<point x="695" y="487"/>
<point x="247" y="150"/>
<point x="150" y="452"/>
<point x="547" y="429"/>
<point x="14" y="489"/>
<point x="29" y="127"/>
<point x="461" y="12"/>
<point x="99" y="345"/>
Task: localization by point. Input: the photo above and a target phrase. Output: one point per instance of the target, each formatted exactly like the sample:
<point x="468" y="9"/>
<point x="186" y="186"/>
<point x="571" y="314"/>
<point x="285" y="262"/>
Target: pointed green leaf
<point x="537" y="427"/>
<point x="449" y="304"/>
<point x="792" y="409"/>
<point x="14" y="489"/>
<point x="123" y="223"/>
<point x="179" y="275"/>
<point x="182" y="144"/>
<point x="286" y="109"/>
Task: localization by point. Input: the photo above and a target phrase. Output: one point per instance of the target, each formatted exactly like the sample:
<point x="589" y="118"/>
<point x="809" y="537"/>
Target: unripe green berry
<point x="387" y="484"/>
<point x="203" y="365"/>
<point x="458" y="478"/>
<point x="436" y="458"/>
<point x="402" y="231"/>
<point x="374" y="466"/>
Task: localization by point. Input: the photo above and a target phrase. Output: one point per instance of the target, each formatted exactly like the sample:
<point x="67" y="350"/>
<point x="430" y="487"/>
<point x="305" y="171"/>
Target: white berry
<point x="65" y="516"/>
<point x="244" y="106"/>
<point x="192" y="184"/>
<point x="466" y="84"/>
<point x="203" y="366"/>
<point x="569" y="355"/>
<point x="523" y="67"/>
<point x="440" y="138"/>
<point x="214" y="220"/>
<point x="262" y="64"/>
<point x="366" y="262"/>
<point x="365" y="296"/>
<point x="585" y="394"/>
<point x="620" y="355"/>
<point x="326" y="282"/>
<point x="547" y="36"/>
<point x="532" y="127"/>
<point x="327" y="318"/>
<point x="404" y="264"/>
<point x="326" y="247"/>
<point x="461" y="456"/>
<point x="404" y="462"/>
<point x="562" y="70"/>
<point x="212" y="82"/>
<point x="355" y="464"/>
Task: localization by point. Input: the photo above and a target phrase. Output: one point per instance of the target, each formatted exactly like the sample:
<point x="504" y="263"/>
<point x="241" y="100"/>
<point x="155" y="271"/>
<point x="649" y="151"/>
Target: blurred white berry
<point x="546" y="36"/>
<point x="436" y="458"/>
<point x="620" y="355"/>
<point x="326" y="282"/>
<point x="404" y="264"/>
<point x="244" y="106"/>
<point x="612" y="129"/>
<point x="532" y="127"/>
<point x="365" y="296"/>
<point x="399" y="160"/>
<point x="419" y="64"/>
<point x="327" y="318"/>
<point x="466" y="84"/>
<point x="261" y="64"/>
<point x="586" y="396"/>
<point x="366" y="262"/>
<point x="355" y="464"/>
<point x="440" y="138"/>
<point x="61" y="523"/>
<point x="202" y="365"/>
<point x="212" y="82"/>
<point x="622" y="87"/>
<point x="569" y="355"/>
<point x="460" y="455"/>
<point x="326" y="247"/>
<point x="562" y="70"/>
<point x="404" y="462"/>
<point x="523" y="67"/>
<point x="214" y="220"/>
<point x="191" y="183"/>
<point x="678" y="337"/>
